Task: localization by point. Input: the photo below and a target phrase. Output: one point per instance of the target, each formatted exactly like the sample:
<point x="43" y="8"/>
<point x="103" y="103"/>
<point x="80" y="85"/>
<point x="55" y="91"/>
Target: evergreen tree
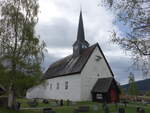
<point x="132" y="85"/>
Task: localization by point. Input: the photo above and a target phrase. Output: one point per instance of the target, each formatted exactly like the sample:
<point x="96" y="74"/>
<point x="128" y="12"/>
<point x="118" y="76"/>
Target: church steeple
<point x="80" y="34"/>
<point x="80" y="44"/>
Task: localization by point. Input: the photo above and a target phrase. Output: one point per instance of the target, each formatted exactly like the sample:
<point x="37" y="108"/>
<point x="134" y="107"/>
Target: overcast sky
<point x="58" y="22"/>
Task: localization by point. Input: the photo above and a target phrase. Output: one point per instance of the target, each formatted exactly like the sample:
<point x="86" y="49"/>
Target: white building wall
<point x="72" y="93"/>
<point x="90" y="74"/>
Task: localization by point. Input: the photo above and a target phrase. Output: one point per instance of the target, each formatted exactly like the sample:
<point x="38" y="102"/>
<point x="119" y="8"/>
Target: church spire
<point x="80" y="34"/>
<point x="80" y="43"/>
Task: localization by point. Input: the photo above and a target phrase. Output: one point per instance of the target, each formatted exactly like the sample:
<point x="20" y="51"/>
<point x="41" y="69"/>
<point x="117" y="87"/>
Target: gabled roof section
<point x="102" y="85"/>
<point x="69" y="65"/>
<point x="105" y="60"/>
<point x="72" y="65"/>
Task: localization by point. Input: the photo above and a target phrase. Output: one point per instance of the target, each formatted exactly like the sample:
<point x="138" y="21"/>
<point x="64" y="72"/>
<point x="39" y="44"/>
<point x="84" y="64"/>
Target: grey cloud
<point x="58" y="33"/>
<point x="48" y="59"/>
<point x="122" y="66"/>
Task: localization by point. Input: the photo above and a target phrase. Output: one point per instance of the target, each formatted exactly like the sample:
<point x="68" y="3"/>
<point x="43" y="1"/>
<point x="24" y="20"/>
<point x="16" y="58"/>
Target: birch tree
<point x="21" y="51"/>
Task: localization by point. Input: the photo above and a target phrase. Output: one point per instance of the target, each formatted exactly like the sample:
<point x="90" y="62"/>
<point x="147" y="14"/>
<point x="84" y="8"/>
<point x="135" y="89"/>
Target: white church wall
<point x="91" y="72"/>
<point x="36" y="92"/>
<point x="73" y="91"/>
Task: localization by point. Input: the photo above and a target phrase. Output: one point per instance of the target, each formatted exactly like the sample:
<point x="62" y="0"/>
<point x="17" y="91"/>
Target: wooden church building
<point x="81" y="76"/>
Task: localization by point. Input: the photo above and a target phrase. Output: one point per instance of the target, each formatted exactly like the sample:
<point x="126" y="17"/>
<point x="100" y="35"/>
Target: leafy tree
<point x="135" y="15"/>
<point x="132" y="85"/>
<point x="21" y="51"/>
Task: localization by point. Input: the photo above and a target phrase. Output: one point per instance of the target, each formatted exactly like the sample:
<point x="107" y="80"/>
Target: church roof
<point x="102" y="85"/>
<point x="69" y="64"/>
<point x="72" y="65"/>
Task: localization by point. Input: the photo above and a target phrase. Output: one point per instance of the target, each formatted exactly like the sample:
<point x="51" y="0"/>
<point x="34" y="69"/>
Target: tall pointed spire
<point x="80" y="34"/>
<point x="80" y="44"/>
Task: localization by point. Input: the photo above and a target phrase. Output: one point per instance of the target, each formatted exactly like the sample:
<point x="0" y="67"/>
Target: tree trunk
<point x="11" y="97"/>
<point x="11" y="92"/>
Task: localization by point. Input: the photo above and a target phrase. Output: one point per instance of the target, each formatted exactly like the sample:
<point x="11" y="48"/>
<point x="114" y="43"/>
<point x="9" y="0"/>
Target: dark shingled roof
<point x="72" y="65"/>
<point x="69" y="64"/>
<point x="102" y="85"/>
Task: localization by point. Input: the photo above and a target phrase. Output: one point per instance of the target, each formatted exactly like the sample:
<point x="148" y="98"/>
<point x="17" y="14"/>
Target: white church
<point x="81" y="76"/>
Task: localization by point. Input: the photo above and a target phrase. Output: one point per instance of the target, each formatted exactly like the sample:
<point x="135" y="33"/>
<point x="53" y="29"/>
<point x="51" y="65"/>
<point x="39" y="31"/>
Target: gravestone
<point x="32" y="103"/>
<point x="140" y="110"/>
<point x="95" y="107"/>
<point x="121" y="110"/>
<point x="61" y="102"/>
<point x="73" y="103"/>
<point x="47" y="110"/>
<point x="125" y="102"/>
<point x="54" y="104"/>
<point x="82" y="109"/>
<point x="105" y="107"/>
<point x="45" y="101"/>
<point x="17" y="106"/>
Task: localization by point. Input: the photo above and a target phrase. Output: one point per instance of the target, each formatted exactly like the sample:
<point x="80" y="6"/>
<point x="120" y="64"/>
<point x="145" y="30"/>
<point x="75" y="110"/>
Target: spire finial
<point x="80" y="8"/>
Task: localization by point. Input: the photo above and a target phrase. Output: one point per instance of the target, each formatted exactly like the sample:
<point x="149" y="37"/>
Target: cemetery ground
<point x="25" y="108"/>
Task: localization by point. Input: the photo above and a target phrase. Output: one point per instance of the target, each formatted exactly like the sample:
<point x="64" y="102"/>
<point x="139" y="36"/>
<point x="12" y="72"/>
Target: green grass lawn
<point x="131" y="108"/>
<point x="2" y="110"/>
